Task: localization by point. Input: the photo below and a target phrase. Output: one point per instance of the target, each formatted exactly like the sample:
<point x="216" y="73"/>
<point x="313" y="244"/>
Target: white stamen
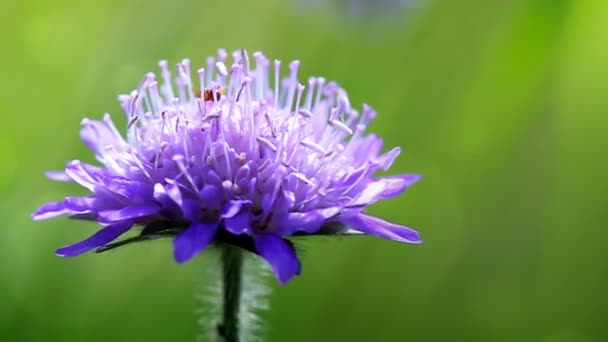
<point x="313" y="146"/>
<point x="267" y="143"/>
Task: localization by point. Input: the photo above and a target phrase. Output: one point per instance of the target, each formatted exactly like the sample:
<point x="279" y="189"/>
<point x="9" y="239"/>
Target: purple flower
<point x="248" y="159"/>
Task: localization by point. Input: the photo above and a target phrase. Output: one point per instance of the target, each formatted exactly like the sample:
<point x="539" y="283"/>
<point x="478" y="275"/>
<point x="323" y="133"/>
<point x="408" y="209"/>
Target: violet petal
<point x="126" y="213"/>
<point x="58" y="176"/>
<point x="210" y="196"/>
<point x="78" y="173"/>
<point x="279" y="254"/>
<point x="309" y="222"/>
<point x="162" y="197"/>
<point x="232" y="208"/>
<point x="376" y="226"/>
<point x="384" y="188"/>
<point x="100" y="238"/>
<point x="193" y="240"/>
<point x="239" y="223"/>
<point x="49" y="210"/>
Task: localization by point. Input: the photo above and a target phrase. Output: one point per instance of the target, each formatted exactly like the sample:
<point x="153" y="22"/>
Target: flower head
<point x="242" y="156"/>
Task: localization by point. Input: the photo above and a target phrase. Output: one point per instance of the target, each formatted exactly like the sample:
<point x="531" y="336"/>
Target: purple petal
<point x="231" y="208"/>
<point x="279" y="254"/>
<point x="162" y="197"/>
<point x="193" y="240"/>
<point x="384" y="188"/>
<point x="79" y="204"/>
<point x="309" y="221"/>
<point x="79" y="173"/>
<point x="386" y="160"/>
<point x="191" y="209"/>
<point x="49" y="210"/>
<point x="92" y="169"/>
<point x="136" y="192"/>
<point x="96" y="134"/>
<point x="376" y="226"/>
<point x="102" y="237"/>
<point x="59" y="176"/>
<point x="243" y="172"/>
<point x="369" y="147"/>
<point x="212" y="177"/>
<point x="82" y="204"/>
<point x="354" y="176"/>
<point x="210" y="196"/>
<point x="239" y="223"/>
<point x="174" y="192"/>
<point x="236" y="215"/>
<point x="128" y="212"/>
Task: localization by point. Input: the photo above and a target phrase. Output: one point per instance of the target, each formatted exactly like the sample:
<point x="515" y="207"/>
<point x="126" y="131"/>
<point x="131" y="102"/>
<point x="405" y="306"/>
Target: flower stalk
<point x="232" y="271"/>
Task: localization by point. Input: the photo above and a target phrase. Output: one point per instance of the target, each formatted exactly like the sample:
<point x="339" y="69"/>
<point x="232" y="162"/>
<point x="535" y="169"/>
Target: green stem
<point x="232" y="266"/>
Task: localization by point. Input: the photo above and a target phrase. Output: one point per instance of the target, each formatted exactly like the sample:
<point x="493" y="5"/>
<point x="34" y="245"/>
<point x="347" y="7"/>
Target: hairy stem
<point x="232" y="269"/>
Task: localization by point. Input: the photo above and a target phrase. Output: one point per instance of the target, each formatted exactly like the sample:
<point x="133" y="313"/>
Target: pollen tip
<point x="305" y="113"/>
<point x="235" y="68"/>
<point x="73" y="163"/>
<point x="221" y="68"/>
<point x="222" y="54"/>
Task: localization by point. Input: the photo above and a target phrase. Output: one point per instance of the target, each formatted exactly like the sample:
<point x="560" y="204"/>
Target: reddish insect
<point x="208" y="95"/>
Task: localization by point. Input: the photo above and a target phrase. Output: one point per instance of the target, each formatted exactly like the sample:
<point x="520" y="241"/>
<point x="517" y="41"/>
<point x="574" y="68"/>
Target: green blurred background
<point x="500" y="104"/>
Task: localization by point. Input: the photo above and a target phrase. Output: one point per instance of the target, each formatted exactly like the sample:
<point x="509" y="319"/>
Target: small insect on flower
<point x="210" y="95"/>
<point x="259" y="160"/>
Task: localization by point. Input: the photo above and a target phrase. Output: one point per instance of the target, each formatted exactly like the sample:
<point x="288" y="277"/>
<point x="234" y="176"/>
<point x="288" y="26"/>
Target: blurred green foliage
<point x="501" y="105"/>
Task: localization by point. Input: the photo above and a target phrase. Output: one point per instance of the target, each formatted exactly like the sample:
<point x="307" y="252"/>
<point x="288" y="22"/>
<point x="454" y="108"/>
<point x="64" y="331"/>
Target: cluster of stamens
<point x="309" y="138"/>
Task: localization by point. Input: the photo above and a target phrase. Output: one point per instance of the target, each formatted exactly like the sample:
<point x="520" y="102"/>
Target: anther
<point x="340" y="126"/>
<point x="221" y="55"/>
<point x="303" y="178"/>
<point x="305" y="113"/>
<point x="221" y="69"/>
<point x="313" y="146"/>
<point x="133" y="120"/>
<point x="246" y="81"/>
<point x="267" y="143"/>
